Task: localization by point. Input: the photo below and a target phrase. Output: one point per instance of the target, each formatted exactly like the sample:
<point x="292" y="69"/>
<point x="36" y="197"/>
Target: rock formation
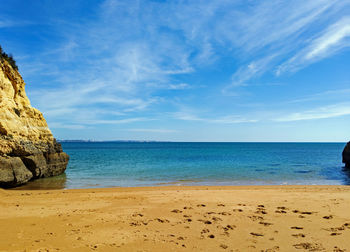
<point x="27" y="148"/>
<point x="346" y="155"/>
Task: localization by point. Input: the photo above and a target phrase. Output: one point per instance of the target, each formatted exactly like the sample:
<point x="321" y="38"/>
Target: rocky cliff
<point x="346" y="155"/>
<point x="28" y="149"/>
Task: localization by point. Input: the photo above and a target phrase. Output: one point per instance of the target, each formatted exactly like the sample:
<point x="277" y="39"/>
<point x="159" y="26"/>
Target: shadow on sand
<point x="52" y="183"/>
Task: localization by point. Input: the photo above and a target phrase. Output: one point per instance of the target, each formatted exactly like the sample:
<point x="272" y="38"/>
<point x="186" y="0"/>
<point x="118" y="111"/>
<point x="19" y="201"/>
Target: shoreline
<point x="63" y="182"/>
<point x="182" y="187"/>
<point x="200" y="218"/>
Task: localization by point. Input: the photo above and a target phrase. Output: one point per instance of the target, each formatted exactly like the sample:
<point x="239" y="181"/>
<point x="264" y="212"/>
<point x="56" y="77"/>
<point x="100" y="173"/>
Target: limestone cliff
<point x="28" y="149"/>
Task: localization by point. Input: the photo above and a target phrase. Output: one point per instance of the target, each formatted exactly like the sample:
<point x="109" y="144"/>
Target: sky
<point x="233" y="71"/>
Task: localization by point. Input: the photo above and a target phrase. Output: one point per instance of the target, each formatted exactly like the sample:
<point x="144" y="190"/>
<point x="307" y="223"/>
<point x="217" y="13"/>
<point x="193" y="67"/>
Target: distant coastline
<point x="110" y="141"/>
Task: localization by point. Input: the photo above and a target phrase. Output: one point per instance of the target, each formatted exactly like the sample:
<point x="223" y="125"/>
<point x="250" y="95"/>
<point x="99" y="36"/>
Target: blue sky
<point x="185" y="70"/>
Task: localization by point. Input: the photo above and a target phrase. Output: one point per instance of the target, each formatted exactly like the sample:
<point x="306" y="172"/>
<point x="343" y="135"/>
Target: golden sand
<point x="242" y="218"/>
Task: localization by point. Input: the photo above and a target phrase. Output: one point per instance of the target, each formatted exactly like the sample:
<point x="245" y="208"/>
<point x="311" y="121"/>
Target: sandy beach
<point x="241" y="218"/>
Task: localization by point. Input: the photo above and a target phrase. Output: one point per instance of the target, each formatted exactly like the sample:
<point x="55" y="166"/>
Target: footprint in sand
<point x="282" y="208"/>
<point x="334" y="234"/>
<point x="309" y="246"/>
<point x="336" y="229"/>
<point x="336" y="249"/>
<point x="229" y="227"/>
<point x="211" y="236"/>
<point x="223" y="246"/>
<point x="280" y="211"/>
<point x="260" y="211"/>
<point x="296" y="227"/>
<point x="266" y="224"/>
<point x="224" y="213"/>
<point x="298" y="235"/>
<point x="176" y="211"/>
<point x="328" y="217"/>
<point x="201" y="205"/>
<point x="307" y="213"/>
<point x="204" y="231"/>
<point x="256" y="234"/>
<point x="275" y="248"/>
<point x="255" y="218"/>
<point x="162" y="221"/>
<point x="134" y="224"/>
<point x="216" y="219"/>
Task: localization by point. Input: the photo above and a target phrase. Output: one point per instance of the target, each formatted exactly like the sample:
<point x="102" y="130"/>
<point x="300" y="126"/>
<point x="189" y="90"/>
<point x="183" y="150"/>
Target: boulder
<point x="56" y="164"/>
<point x="37" y="164"/>
<point x="13" y="172"/>
<point x="346" y="155"/>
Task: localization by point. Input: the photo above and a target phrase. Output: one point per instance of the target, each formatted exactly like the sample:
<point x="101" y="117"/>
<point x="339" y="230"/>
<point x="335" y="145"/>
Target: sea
<point x="138" y="164"/>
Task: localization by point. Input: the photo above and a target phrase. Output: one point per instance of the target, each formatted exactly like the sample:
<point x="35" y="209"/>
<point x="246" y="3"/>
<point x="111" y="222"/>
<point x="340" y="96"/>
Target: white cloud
<point x="272" y="30"/>
<point x="153" y="130"/>
<point x="57" y="125"/>
<point x="5" y="23"/>
<point x="119" y="121"/>
<point x="230" y="119"/>
<point x="336" y="94"/>
<point x="334" y="37"/>
<point x="331" y="41"/>
<point x="179" y="86"/>
<point x="245" y="73"/>
<point x="335" y="110"/>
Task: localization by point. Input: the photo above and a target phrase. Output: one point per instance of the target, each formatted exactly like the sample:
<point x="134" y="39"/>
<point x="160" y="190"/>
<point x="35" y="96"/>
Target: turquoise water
<point x="107" y="164"/>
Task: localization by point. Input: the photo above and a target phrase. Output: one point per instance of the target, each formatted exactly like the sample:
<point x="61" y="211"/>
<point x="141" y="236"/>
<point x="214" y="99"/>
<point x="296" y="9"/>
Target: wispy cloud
<point x="335" y="110"/>
<point x="57" y="125"/>
<point x="273" y="30"/>
<point x="179" y="86"/>
<point x="248" y="72"/>
<point x="120" y="121"/>
<point x="325" y="95"/>
<point x="153" y="130"/>
<point x="331" y="41"/>
<point x="6" y="22"/>
<point x="129" y="62"/>
<point x="230" y="119"/>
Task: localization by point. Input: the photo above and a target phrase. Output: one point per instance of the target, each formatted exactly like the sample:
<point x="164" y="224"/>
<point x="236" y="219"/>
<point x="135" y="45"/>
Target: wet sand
<point x="241" y="218"/>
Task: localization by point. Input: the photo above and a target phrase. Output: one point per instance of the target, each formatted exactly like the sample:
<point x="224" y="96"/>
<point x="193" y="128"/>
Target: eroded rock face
<point x="28" y="149"/>
<point x="346" y="155"/>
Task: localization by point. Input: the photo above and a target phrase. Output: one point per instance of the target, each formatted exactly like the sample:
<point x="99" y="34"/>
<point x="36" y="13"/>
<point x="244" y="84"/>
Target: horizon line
<point x="169" y="141"/>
